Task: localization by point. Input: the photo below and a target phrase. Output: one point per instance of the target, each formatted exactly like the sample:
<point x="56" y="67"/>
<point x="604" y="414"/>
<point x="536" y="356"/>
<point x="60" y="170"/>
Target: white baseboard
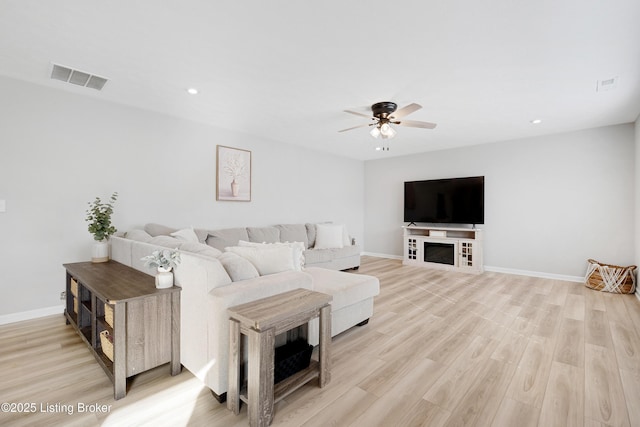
<point x="31" y="314"/>
<point x="382" y="255"/>
<point x="540" y="274"/>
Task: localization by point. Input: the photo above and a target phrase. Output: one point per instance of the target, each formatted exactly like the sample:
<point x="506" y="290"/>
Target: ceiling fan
<point x="385" y="114"/>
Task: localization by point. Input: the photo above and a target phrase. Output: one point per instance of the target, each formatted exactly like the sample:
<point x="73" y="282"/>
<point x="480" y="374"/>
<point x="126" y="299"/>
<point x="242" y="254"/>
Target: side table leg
<point x="119" y="351"/>
<point x="325" y="346"/>
<point x="260" y="387"/>
<point x="175" y="333"/>
<point x="235" y="353"/>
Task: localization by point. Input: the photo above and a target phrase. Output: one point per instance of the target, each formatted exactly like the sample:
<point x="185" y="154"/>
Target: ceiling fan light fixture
<point x="387" y="131"/>
<point x="375" y="132"/>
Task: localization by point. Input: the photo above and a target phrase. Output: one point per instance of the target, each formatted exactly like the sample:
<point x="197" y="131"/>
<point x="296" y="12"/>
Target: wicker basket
<point x="74" y="287"/>
<point x="610" y="278"/>
<point x="291" y="358"/>
<point x="75" y="305"/>
<point x="108" y="314"/>
<point x="107" y="345"/>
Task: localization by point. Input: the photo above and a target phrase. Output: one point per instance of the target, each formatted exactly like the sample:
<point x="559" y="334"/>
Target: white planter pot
<point x="164" y="278"/>
<point x="100" y="251"/>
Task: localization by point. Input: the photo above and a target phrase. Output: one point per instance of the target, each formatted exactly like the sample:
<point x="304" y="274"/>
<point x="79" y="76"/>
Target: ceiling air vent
<point x="80" y="78"/>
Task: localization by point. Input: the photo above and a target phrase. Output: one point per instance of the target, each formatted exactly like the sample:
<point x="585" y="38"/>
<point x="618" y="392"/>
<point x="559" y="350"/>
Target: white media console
<point x="458" y="249"/>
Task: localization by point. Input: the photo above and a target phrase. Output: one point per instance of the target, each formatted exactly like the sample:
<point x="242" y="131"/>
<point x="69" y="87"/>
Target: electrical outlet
<point x="63" y="295"/>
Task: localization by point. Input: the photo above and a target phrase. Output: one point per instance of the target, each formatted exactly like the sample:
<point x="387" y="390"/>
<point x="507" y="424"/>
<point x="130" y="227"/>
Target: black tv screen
<point x="451" y="201"/>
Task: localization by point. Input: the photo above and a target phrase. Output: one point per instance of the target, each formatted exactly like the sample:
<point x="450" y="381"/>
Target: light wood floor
<point x="442" y="349"/>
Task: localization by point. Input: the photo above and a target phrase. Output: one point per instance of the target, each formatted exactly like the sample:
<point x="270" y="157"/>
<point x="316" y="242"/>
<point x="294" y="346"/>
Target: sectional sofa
<point x="213" y="280"/>
<point x="337" y="252"/>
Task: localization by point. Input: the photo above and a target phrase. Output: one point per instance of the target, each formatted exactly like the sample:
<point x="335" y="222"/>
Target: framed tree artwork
<point x="233" y="177"/>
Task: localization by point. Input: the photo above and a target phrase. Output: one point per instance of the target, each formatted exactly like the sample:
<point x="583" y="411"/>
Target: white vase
<point x="100" y="251"/>
<point x="164" y="278"/>
<point x="235" y="188"/>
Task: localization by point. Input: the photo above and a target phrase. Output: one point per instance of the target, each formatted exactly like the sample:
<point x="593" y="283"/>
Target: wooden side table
<point x="261" y="321"/>
<point x="144" y="325"/>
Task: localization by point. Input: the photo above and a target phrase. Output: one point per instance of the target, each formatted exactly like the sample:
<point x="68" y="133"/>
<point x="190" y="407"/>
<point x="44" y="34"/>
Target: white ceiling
<point x="287" y="69"/>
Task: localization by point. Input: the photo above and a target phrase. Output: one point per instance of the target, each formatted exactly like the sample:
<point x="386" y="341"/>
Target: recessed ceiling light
<point x="192" y="91"/>
<point x="536" y="121"/>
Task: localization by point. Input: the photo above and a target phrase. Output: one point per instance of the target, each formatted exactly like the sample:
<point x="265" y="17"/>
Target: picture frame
<point x="233" y="174"/>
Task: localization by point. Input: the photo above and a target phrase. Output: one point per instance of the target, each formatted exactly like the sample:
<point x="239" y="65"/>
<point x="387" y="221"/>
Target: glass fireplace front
<point x="441" y="253"/>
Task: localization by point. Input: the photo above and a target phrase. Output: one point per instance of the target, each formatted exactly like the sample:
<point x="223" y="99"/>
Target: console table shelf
<point x="145" y="328"/>
<point x="444" y="248"/>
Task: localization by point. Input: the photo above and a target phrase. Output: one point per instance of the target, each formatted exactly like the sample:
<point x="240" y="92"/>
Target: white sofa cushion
<point x="237" y="267"/>
<point x="297" y="251"/>
<point x="270" y="259"/>
<point x="346" y="288"/>
<point x="329" y="236"/>
<point x="166" y="241"/>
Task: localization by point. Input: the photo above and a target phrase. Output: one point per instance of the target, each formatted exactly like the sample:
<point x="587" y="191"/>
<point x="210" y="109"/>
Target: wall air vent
<point x="80" y="78"/>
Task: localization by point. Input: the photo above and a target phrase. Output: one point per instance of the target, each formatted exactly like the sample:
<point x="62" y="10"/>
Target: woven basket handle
<point x="593" y="261"/>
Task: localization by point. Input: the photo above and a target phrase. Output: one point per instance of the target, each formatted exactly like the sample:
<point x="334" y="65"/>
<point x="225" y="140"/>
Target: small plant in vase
<point x="234" y="167"/>
<point x="164" y="261"/>
<point x="99" y="219"/>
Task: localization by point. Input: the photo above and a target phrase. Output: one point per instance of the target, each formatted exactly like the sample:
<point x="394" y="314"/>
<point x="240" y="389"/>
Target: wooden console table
<point x="144" y="322"/>
<point x="261" y="321"/>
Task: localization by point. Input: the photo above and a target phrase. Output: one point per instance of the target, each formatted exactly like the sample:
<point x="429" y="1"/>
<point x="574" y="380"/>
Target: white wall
<point x="637" y="207"/>
<point x="550" y="202"/>
<point x="59" y="151"/>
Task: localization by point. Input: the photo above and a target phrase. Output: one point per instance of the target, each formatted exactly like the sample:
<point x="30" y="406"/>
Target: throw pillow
<point x="200" y="249"/>
<point x="166" y="241"/>
<point x="329" y="236"/>
<point x="268" y="260"/>
<point x="158" y="229"/>
<point x="237" y="267"/>
<point x="297" y="251"/>
<point x="187" y="235"/>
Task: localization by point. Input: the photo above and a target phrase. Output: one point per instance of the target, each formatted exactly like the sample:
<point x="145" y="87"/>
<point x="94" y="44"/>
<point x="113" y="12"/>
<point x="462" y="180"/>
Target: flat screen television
<point x="450" y="201"/>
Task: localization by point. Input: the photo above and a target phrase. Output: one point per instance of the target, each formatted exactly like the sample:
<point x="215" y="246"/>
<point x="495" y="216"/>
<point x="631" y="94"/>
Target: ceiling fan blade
<point x="355" y="127"/>
<point x="417" y="124"/>
<point x="405" y="111"/>
<point x="368" y="116"/>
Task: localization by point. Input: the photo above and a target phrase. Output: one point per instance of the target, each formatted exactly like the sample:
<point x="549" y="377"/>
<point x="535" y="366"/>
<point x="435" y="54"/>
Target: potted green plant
<point x="164" y="260"/>
<point x="99" y="219"/>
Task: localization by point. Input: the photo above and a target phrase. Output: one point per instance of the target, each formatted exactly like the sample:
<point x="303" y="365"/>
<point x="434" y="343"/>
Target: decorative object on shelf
<point x="233" y="178"/>
<point x="610" y="278"/>
<point x="164" y="260"/>
<point x="99" y="219"/>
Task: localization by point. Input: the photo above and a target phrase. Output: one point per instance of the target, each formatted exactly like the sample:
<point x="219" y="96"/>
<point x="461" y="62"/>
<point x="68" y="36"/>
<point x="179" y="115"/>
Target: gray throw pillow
<point x="237" y="268"/>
